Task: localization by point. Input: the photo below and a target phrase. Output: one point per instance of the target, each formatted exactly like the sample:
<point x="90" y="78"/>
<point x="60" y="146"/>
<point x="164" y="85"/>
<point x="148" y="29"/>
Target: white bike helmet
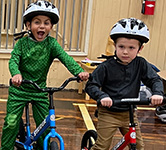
<point x="41" y="8"/>
<point x="130" y="28"/>
<point x="161" y="113"/>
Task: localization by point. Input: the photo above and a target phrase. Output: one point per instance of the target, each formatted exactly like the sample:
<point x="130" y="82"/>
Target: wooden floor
<point x="72" y="121"/>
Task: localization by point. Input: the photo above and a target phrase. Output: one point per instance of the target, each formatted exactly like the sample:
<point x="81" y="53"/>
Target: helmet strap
<point x="116" y="57"/>
<point x="141" y="44"/>
<point x="33" y="38"/>
<point x="21" y="34"/>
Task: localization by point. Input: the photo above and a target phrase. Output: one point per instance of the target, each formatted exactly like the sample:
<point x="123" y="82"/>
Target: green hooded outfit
<point x="32" y="60"/>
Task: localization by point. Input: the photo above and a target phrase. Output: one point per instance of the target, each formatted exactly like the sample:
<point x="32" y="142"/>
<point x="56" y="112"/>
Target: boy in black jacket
<point x="120" y="77"/>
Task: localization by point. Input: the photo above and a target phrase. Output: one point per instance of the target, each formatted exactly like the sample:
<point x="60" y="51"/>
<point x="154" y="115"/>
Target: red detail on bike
<point x="132" y="135"/>
<point x="84" y="148"/>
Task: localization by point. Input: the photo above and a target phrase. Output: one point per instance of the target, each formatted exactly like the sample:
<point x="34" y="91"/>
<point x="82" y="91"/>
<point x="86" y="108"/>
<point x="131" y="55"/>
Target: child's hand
<point x="84" y="76"/>
<point x="107" y="101"/>
<point x="156" y="99"/>
<point x="17" y="79"/>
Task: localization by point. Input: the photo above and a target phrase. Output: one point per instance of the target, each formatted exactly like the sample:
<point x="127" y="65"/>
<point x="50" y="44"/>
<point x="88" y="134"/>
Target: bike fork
<point x="53" y="133"/>
<point x="132" y="138"/>
<point x="132" y="129"/>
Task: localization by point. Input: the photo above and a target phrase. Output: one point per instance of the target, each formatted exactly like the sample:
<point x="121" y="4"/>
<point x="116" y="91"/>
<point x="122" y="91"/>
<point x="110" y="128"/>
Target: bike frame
<point x="49" y="121"/>
<point x="130" y="136"/>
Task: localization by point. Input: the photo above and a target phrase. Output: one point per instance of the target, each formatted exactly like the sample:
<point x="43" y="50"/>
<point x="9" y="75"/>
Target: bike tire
<point x="54" y="145"/>
<point x="86" y="142"/>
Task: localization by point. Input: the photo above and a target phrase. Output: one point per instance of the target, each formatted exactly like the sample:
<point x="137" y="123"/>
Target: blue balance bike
<point x="26" y="138"/>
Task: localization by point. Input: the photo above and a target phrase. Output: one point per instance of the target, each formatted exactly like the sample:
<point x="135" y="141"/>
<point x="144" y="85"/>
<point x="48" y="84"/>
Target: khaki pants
<point x="108" y="123"/>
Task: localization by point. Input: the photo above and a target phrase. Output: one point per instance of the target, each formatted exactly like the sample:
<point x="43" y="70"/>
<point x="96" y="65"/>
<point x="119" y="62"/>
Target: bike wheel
<point x="87" y="140"/>
<point x="54" y="145"/>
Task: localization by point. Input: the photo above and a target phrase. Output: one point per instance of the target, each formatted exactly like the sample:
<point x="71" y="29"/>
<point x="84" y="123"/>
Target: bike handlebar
<point x="132" y="101"/>
<point x="49" y="89"/>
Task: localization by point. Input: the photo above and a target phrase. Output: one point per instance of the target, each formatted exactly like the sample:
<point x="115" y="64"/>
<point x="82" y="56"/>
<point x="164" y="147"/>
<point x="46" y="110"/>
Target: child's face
<point x="127" y="49"/>
<point x="40" y="27"/>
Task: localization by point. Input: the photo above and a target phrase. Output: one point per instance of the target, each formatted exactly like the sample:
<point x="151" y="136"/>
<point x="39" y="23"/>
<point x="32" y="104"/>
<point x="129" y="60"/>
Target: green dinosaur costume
<point x="32" y="60"/>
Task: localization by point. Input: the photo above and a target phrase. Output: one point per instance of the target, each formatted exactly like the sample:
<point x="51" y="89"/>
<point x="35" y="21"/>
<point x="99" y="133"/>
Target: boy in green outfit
<point x="31" y="59"/>
<point x="120" y="77"/>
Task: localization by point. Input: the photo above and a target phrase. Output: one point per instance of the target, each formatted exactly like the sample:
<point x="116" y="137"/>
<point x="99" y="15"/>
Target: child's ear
<point x="141" y="49"/>
<point x="28" y="25"/>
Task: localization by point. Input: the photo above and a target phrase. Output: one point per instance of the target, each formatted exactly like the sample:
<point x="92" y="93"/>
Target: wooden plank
<point x="87" y="119"/>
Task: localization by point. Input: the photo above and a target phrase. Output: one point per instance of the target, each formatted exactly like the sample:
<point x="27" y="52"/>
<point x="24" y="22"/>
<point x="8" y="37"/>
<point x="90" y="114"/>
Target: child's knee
<point x="140" y="145"/>
<point x="11" y="121"/>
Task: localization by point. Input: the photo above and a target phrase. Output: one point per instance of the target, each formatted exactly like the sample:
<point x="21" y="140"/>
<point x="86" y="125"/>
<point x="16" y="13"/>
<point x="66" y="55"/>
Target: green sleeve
<point x="67" y="60"/>
<point x="15" y="59"/>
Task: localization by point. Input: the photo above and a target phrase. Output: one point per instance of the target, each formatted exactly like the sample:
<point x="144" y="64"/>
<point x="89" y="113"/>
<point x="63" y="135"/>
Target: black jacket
<point x="115" y="80"/>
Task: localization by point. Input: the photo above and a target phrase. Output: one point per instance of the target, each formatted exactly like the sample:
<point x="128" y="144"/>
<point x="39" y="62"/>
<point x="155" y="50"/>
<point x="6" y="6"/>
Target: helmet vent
<point x="123" y="23"/>
<point x="39" y="4"/>
<point x="47" y="3"/>
<point x="28" y="7"/>
<point x="141" y="25"/>
<point x="134" y="23"/>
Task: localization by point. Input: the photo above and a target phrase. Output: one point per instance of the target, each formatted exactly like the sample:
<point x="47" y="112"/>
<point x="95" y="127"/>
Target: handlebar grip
<point x="22" y="82"/>
<point x="78" y="79"/>
<point x="27" y="81"/>
<point x="10" y="82"/>
<point x="132" y="101"/>
<point x="164" y="100"/>
<point x="90" y="78"/>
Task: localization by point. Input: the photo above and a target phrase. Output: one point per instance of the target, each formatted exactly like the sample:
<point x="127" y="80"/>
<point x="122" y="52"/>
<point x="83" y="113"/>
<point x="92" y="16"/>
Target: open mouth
<point x="40" y="34"/>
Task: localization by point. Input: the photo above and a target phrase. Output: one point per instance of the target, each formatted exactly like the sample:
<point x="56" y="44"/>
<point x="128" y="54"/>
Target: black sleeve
<point x="93" y="87"/>
<point x="152" y="80"/>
